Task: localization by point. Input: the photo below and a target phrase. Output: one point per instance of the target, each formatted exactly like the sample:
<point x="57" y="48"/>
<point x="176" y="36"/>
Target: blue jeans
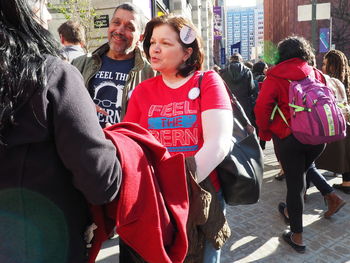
<point x="314" y="176"/>
<point x="211" y="255"/>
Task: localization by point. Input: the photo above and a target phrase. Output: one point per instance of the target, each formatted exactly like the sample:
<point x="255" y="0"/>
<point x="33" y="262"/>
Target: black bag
<point x="241" y="172"/>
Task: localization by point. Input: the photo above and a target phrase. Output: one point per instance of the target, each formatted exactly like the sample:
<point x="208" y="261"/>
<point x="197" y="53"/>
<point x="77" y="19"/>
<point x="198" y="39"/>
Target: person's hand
<point x="100" y="110"/>
<point x="108" y="124"/>
<point x="89" y="234"/>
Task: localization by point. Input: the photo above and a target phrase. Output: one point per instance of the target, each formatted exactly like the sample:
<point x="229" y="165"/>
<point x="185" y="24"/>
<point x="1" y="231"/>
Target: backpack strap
<point x="276" y="108"/>
<point x="299" y="108"/>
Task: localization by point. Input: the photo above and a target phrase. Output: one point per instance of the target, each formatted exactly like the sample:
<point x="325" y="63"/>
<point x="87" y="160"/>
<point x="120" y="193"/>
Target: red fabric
<point x="174" y="118"/>
<point x="275" y="90"/>
<point x="151" y="209"/>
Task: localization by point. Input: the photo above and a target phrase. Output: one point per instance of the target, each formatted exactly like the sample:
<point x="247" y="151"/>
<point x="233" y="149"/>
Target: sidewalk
<point x="256" y="229"/>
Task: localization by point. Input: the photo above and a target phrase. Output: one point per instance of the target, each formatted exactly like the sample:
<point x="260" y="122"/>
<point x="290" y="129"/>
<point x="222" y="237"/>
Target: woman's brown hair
<point x="337" y="67"/>
<point x="195" y="61"/>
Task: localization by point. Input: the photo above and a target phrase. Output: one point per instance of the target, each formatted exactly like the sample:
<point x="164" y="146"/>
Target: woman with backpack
<point x="295" y="157"/>
<point x="336" y="157"/>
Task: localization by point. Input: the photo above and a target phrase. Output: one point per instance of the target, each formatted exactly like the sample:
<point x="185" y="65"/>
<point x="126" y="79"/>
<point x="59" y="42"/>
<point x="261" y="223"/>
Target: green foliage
<point x="270" y="53"/>
<point x="81" y="11"/>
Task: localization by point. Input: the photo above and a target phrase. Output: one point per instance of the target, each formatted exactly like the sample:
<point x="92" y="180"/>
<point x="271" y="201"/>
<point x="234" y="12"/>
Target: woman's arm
<point x="79" y="139"/>
<point x="217" y="125"/>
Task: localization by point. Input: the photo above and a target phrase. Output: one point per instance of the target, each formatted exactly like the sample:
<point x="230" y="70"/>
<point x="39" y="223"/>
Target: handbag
<point x="241" y="172"/>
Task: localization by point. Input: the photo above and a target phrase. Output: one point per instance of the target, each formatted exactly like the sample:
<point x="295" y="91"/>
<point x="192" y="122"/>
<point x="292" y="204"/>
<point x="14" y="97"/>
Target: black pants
<point x="127" y="254"/>
<point x="346" y="177"/>
<point x="295" y="159"/>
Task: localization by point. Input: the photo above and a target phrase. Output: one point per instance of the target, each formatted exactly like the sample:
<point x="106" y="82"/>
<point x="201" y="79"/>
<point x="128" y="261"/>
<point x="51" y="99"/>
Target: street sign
<point x="323" y="11"/>
<point x="101" y="21"/>
<point x="236" y="48"/>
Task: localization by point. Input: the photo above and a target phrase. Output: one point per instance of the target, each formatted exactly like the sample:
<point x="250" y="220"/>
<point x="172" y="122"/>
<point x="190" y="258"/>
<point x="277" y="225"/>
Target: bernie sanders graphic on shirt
<point x="108" y="85"/>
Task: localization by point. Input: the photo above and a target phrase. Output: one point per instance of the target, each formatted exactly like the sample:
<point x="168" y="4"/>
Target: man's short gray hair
<point x="137" y="11"/>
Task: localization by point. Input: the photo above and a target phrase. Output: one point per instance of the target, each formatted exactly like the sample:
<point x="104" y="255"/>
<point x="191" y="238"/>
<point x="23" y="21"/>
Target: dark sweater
<point x="56" y="157"/>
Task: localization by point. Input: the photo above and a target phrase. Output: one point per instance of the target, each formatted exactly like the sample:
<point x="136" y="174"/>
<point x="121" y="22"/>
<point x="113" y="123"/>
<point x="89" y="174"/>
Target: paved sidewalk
<point x="257" y="229"/>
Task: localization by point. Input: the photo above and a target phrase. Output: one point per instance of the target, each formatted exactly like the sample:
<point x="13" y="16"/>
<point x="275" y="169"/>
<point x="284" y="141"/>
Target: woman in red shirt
<point x="186" y="119"/>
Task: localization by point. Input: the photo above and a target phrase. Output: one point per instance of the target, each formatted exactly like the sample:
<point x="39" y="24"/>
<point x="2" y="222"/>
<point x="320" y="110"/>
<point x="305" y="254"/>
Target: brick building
<point x="281" y="20"/>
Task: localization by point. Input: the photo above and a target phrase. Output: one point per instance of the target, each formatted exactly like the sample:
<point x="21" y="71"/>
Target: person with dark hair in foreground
<point x="54" y="157"/>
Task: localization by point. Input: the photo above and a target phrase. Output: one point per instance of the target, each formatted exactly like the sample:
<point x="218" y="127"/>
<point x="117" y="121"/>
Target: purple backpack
<point x="315" y="115"/>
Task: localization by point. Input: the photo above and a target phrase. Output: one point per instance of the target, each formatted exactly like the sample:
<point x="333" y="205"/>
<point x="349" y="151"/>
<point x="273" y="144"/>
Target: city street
<point x="257" y="229"/>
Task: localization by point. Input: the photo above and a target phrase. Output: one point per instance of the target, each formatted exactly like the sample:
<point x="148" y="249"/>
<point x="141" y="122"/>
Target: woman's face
<point x="265" y="69"/>
<point x="41" y="13"/>
<point x="166" y="52"/>
<point x="324" y="66"/>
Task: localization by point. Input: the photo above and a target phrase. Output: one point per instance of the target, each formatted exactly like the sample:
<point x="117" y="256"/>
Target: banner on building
<point x="324" y="40"/>
<point x="236" y="48"/>
<point x="217" y="10"/>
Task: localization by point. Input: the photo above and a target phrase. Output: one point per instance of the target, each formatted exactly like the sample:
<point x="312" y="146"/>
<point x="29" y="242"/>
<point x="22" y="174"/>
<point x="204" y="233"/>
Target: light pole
<point x="314" y="24"/>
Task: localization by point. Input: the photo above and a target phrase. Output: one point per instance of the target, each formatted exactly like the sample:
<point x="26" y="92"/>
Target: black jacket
<point x="240" y="80"/>
<point x="56" y="157"/>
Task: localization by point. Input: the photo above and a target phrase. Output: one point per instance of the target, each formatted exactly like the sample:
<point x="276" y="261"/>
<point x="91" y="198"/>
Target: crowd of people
<point x="59" y="105"/>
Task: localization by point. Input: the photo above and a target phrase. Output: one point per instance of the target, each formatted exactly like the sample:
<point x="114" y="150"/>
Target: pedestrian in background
<point x="115" y="68"/>
<point x="186" y="119"/>
<point x="294" y="54"/>
<point x="54" y="157"/>
<point x="259" y="70"/>
<point x="249" y="64"/>
<point x="72" y="37"/>
<point x="240" y="81"/>
<point x="336" y="157"/>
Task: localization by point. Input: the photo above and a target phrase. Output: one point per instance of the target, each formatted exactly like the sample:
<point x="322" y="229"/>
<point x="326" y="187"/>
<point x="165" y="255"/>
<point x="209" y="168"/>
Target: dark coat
<point x="56" y="156"/>
<point x="336" y="156"/>
<point x="240" y="81"/>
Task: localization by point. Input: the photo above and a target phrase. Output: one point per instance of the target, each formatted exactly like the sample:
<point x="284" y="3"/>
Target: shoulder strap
<point x="200" y="80"/>
<point x="276" y="108"/>
<point x="236" y="107"/>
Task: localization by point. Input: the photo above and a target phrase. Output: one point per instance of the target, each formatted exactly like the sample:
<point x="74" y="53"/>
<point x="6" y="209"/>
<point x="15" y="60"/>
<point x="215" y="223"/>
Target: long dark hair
<point x="337" y="67"/>
<point x="24" y="45"/>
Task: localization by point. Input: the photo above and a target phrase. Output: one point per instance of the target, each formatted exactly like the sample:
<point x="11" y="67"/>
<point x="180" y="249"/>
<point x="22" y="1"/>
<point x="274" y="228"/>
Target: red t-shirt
<point x="172" y="116"/>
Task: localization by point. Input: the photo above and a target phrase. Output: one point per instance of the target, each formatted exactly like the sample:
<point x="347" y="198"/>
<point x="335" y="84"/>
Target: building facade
<point x="281" y="20"/>
<point x="244" y="31"/>
<point x="199" y="11"/>
<point x="258" y="49"/>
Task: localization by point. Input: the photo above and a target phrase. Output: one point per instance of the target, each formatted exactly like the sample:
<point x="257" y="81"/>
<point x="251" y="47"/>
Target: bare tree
<point x="81" y="11"/>
<point x="341" y="25"/>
